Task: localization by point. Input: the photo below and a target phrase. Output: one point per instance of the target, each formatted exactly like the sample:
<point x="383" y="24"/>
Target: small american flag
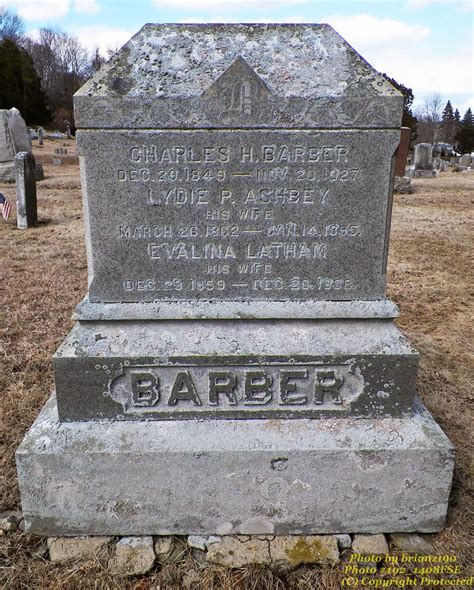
<point x="5" y="206"/>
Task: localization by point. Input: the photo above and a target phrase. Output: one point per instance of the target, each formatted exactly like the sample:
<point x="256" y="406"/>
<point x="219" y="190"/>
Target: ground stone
<point x="63" y="549"/>
<point x="240" y="551"/>
<point x="168" y="549"/>
<point x="402" y="185"/>
<point x="344" y="541"/>
<point x="289" y="552"/>
<point x="197" y="542"/>
<point x="200" y="542"/>
<point x="10" y="520"/>
<point x="133" y="556"/>
<point x="370" y="545"/>
<point x="281" y="553"/>
<point x="411" y="543"/>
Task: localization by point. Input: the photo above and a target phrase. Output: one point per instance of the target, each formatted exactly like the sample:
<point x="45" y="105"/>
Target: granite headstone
<point x="14" y="138"/>
<point x="423" y="161"/>
<point x="25" y="178"/>
<point x="235" y="367"/>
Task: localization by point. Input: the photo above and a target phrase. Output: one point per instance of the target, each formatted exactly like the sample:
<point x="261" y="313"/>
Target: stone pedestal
<point x="227" y="477"/>
<point x="234" y="368"/>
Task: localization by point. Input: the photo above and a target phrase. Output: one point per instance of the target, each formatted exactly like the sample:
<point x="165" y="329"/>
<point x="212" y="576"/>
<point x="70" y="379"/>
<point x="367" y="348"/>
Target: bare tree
<point x="11" y="25"/>
<point x="63" y="66"/>
<point x="431" y="116"/>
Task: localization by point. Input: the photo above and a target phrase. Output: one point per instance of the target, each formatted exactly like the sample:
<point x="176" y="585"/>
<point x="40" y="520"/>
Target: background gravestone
<point x="423" y="160"/>
<point x="402" y="151"/>
<point x="235" y="367"/>
<point x="14" y="138"/>
<point x="25" y="178"/>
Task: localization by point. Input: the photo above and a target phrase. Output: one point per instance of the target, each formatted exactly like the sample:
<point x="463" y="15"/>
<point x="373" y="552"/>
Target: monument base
<point x="225" y="477"/>
<point x="425" y="173"/>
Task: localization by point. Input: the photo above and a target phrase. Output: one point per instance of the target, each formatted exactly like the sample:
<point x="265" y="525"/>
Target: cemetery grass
<point x="44" y="276"/>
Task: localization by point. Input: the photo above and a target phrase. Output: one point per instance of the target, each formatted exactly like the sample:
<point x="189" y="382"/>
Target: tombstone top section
<point x="223" y="76"/>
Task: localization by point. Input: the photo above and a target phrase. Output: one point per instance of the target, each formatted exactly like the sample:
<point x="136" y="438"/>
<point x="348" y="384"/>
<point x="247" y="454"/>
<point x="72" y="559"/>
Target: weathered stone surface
<point x="7" y="171"/>
<point x="241" y="369"/>
<point x="65" y="549"/>
<point x="240" y="551"/>
<point x="237" y="310"/>
<point x="185" y="76"/>
<point x="411" y="543"/>
<point x="26" y="202"/>
<point x="370" y="545"/>
<point x="308" y="227"/>
<point x="402" y="185"/>
<point x="19" y="131"/>
<point x="423" y="156"/>
<point x="280" y="553"/>
<point x="133" y="556"/>
<point x="169" y="549"/>
<point x="9" y="520"/>
<point x="200" y="542"/>
<point x="197" y="542"/>
<point x="164" y="548"/>
<point x="7" y="147"/>
<point x="14" y="135"/>
<point x="279" y="470"/>
<point x="289" y="552"/>
<point x="344" y="541"/>
<point x="14" y="138"/>
<point x="251" y="178"/>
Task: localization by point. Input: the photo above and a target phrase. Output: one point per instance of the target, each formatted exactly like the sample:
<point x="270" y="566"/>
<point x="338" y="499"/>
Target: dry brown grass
<point x="44" y="277"/>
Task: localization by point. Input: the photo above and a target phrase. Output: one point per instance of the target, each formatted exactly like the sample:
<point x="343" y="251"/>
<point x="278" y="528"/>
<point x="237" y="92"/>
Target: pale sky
<point x="425" y="44"/>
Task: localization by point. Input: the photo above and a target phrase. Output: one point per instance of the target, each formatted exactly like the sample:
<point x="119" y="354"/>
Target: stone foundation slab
<point x="234" y="476"/>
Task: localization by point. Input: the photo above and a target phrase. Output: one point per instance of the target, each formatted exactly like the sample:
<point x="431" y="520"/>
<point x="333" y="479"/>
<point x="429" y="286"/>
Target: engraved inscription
<point x="261" y="214"/>
<point x="150" y="388"/>
<point x="238" y="94"/>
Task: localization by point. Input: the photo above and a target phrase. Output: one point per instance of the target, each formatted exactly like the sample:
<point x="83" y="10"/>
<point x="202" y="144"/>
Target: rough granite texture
<point x="26" y="201"/>
<point x="237" y="215"/>
<point x="244" y="369"/>
<point x="281" y="554"/>
<point x="208" y="477"/>
<point x="231" y="310"/>
<point x="293" y="76"/>
<point x="62" y="550"/>
<point x="133" y="556"/>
